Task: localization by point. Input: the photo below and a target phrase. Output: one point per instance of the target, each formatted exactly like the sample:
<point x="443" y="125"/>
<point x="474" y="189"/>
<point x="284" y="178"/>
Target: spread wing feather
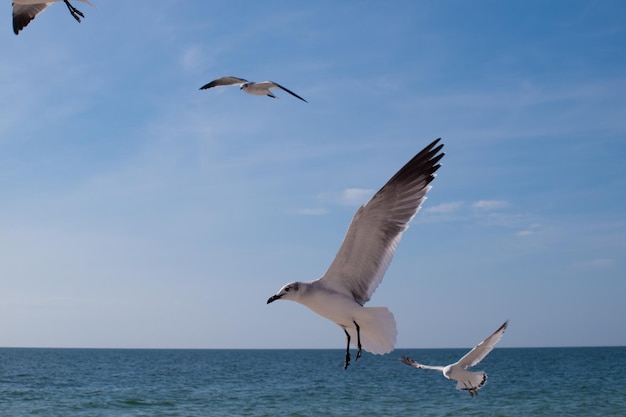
<point x="474" y="356"/>
<point x="23" y="14"/>
<point x="223" y="81"/>
<point x="377" y="226"/>
<point x="276" y="85"/>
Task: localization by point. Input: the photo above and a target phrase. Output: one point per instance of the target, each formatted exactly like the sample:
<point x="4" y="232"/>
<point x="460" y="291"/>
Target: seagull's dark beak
<point x="273" y="298"/>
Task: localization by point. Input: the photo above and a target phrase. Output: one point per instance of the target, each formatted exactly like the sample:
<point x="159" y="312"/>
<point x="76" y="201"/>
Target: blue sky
<point x="138" y="211"/>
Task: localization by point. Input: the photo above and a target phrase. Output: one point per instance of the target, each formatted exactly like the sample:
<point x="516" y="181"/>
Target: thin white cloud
<point x="602" y="263"/>
<point x="312" y="211"/>
<point x="192" y="57"/>
<point x="445" y="208"/>
<point x="490" y="204"/>
<point x="597" y="263"/>
<point x="356" y="196"/>
<point x="530" y="230"/>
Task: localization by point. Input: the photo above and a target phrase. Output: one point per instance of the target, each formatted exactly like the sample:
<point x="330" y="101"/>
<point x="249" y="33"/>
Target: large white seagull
<point x="364" y="256"/>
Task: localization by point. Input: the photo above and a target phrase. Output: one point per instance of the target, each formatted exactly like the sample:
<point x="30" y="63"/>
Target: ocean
<point x="135" y="382"/>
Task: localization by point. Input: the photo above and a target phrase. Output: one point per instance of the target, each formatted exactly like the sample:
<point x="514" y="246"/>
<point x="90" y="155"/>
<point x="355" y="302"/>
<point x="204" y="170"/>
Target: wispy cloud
<point x="445" y="208"/>
<point x="312" y="211"/>
<point x="492" y="213"/>
<point x="490" y="204"/>
<point x="192" y="57"/>
<point x="597" y="263"/>
<point x="602" y="263"/>
<point x="526" y="232"/>
<point x="356" y="196"/>
<point x="530" y="230"/>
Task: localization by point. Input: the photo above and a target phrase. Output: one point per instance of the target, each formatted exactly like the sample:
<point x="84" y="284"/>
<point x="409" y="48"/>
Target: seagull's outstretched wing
<point x="377" y="226"/>
<point x="276" y="85"/>
<point x="474" y="356"/>
<point x="224" y="81"/>
<point x="24" y="13"/>
<point x="408" y="361"/>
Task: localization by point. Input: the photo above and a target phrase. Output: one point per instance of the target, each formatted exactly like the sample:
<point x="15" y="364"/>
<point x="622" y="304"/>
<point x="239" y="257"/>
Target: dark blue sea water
<point x="109" y="382"/>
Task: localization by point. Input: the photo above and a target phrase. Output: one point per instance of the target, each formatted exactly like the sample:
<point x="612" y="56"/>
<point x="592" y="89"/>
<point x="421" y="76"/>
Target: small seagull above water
<point x="466" y="380"/>
<point x="364" y="256"/>
<point x="26" y="10"/>
<point x="259" y="89"/>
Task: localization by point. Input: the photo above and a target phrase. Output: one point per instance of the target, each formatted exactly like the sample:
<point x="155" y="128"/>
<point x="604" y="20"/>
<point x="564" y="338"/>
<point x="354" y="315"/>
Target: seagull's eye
<point x="287" y="289"/>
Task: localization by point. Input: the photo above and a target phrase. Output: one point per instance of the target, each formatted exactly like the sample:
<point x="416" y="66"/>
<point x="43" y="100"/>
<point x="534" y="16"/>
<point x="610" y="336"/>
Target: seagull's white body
<point x="258" y="89"/>
<point x="364" y="256"/>
<point x="466" y="380"/>
<point x="26" y="10"/>
<point x="377" y="324"/>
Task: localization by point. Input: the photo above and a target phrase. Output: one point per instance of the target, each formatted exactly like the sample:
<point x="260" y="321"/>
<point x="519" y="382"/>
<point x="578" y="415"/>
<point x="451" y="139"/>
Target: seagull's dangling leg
<point x="470" y="389"/>
<point x="358" y="340"/>
<point x="74" y="11"/>
<point x="345" y="365"/>
<point x="467" y="388"/>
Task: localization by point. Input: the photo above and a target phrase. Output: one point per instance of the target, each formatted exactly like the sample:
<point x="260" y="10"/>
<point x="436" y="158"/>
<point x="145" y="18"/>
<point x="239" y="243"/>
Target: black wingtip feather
<point x="20" y="22"/>
<point x="426" y="162"/>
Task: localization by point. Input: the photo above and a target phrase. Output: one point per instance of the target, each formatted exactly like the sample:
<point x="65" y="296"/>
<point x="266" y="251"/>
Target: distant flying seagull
<point x="259" y="89"/>
<point x="363" y="258"/>
<point x="26" y="10"/>
<point x="466" y="380"/>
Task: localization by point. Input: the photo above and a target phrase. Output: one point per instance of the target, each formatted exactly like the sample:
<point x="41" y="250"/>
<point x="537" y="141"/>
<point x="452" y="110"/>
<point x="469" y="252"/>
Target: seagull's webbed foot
<point x="358" y="340"/>
<point x="76" y="14"/>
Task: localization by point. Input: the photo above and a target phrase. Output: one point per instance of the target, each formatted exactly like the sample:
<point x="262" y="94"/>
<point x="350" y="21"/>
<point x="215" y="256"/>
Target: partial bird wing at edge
<point x="23" y="14"/>
<point x="474" y="356"/>
<point x="376" y="228"/>
<point x="408" y="361"/>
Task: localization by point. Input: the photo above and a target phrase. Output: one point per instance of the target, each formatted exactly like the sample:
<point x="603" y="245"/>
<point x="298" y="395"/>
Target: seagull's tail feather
<point x="378" y="330"/>
<point x="472" y="381"/>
